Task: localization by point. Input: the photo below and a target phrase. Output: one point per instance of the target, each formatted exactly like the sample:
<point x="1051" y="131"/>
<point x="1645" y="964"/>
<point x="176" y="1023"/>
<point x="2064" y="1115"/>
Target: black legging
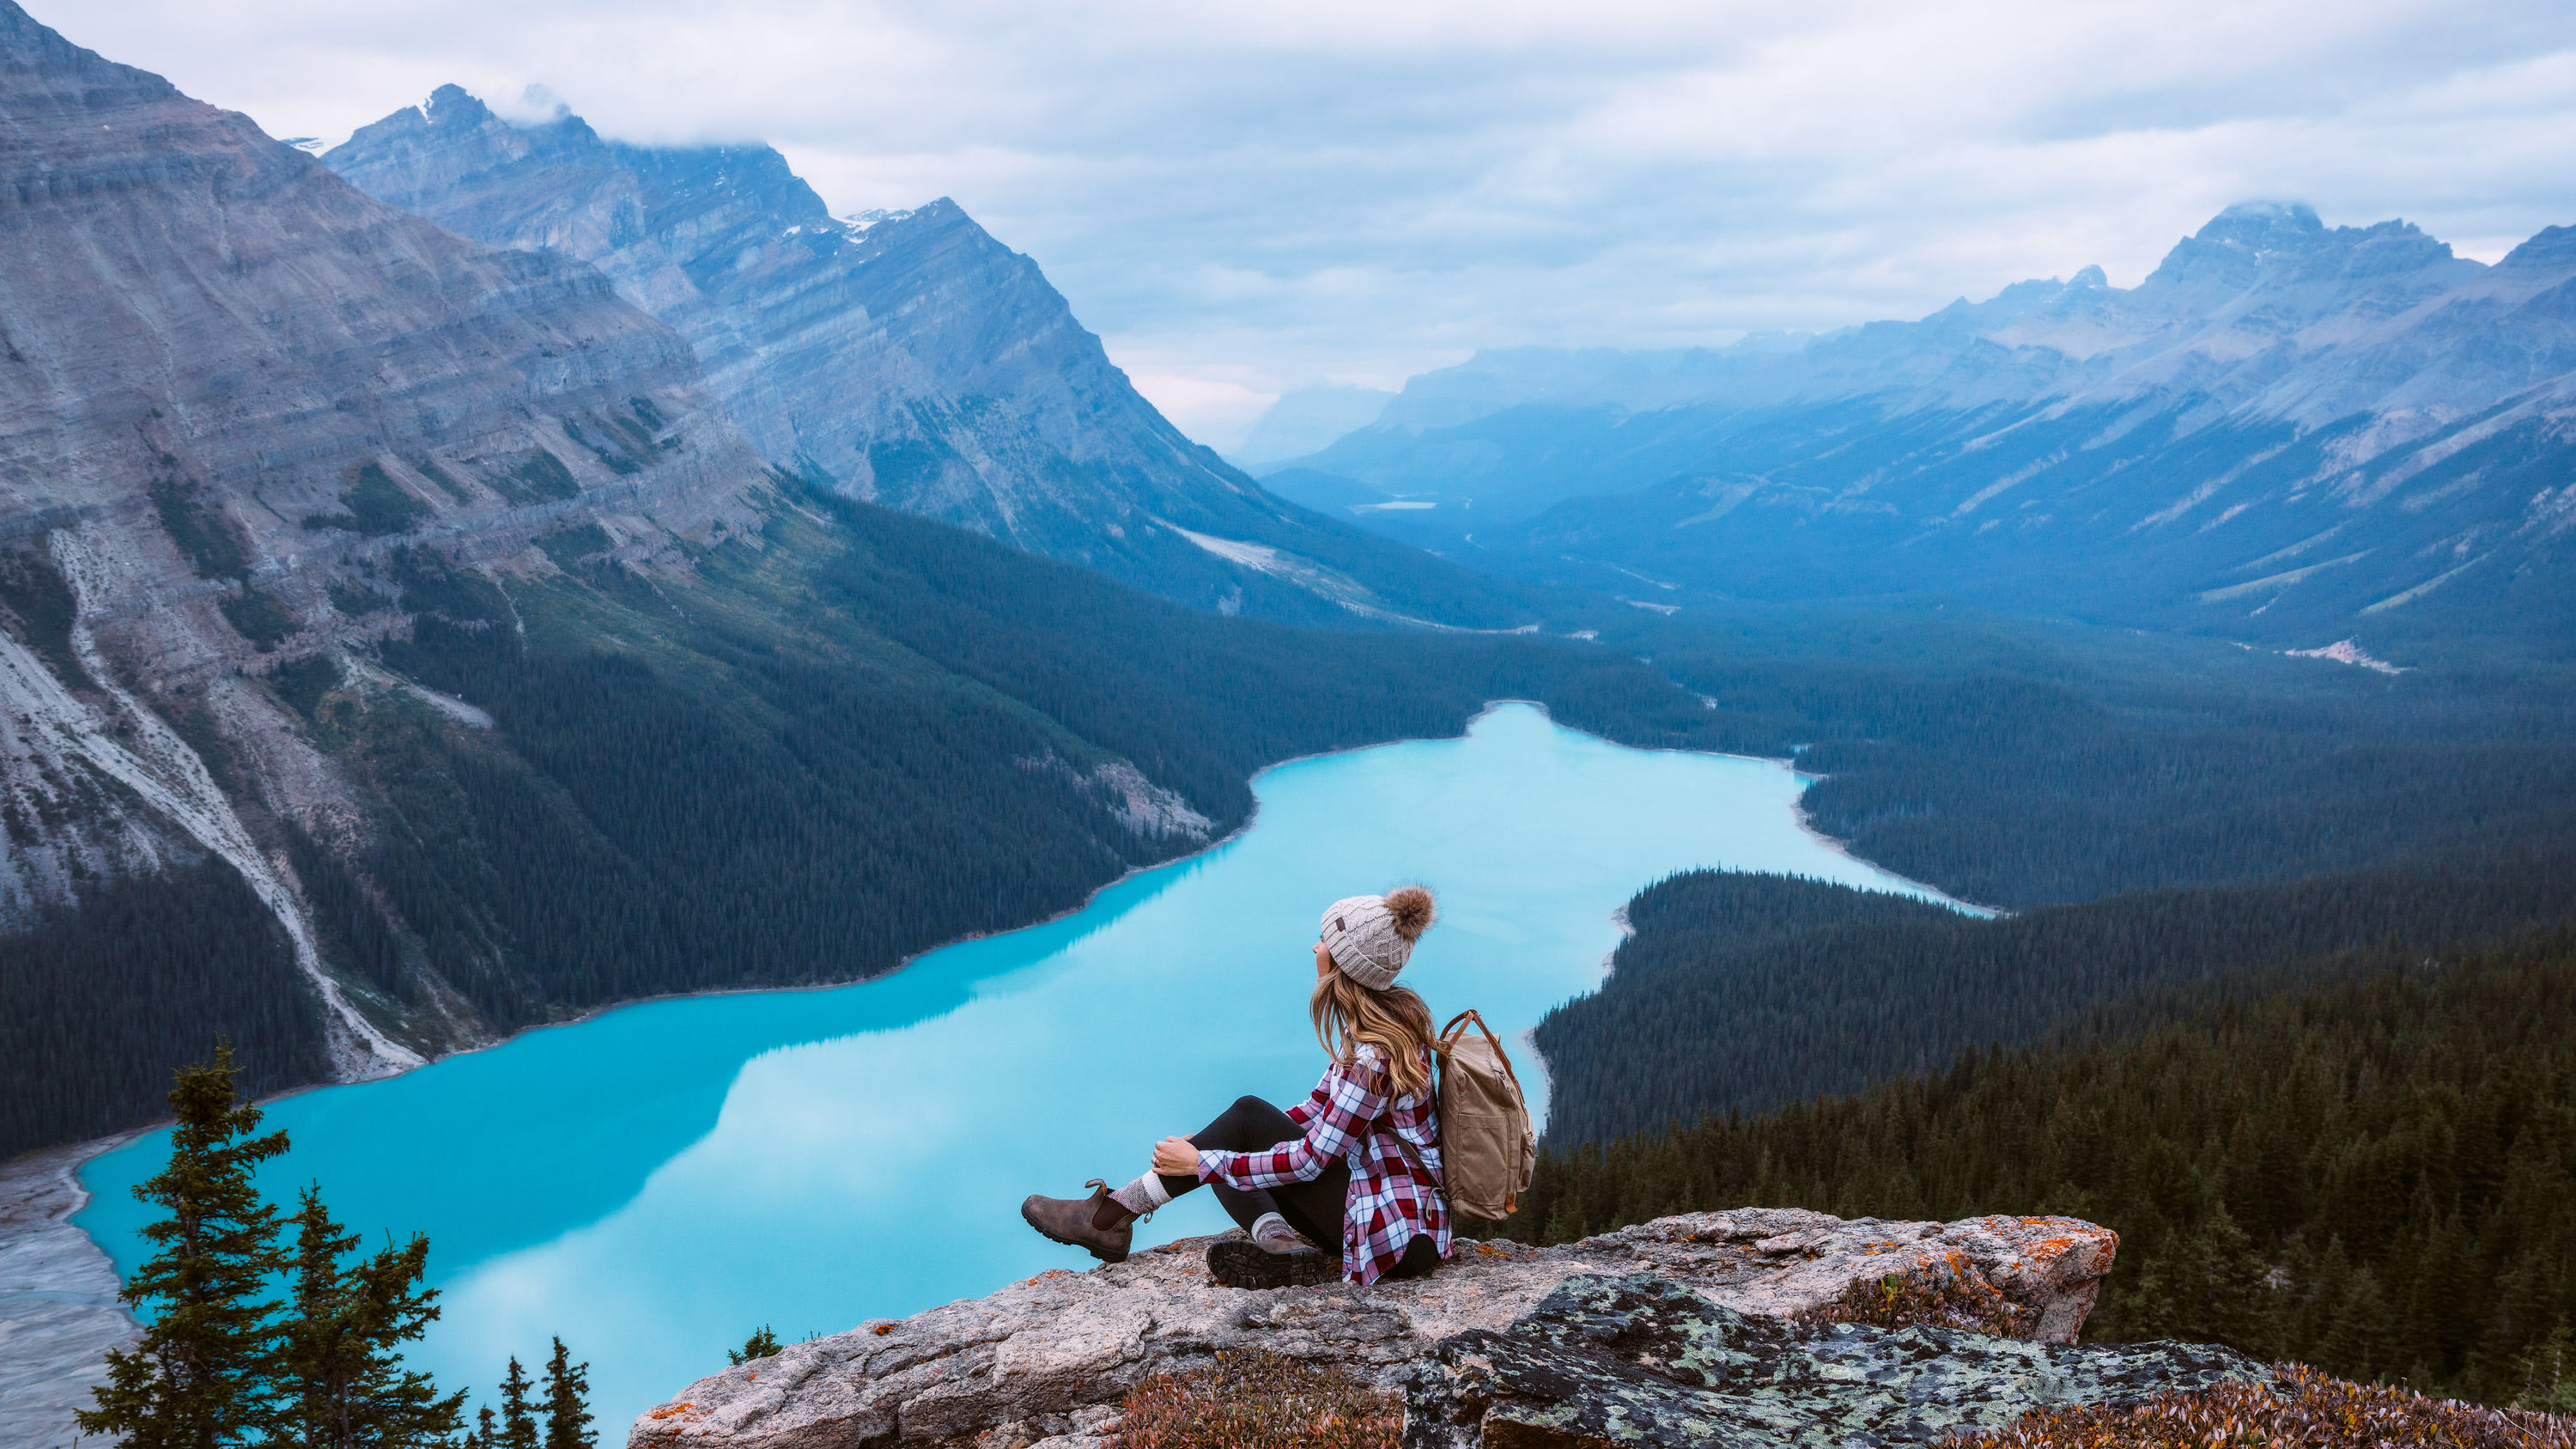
<point x="1312" y="1208"/>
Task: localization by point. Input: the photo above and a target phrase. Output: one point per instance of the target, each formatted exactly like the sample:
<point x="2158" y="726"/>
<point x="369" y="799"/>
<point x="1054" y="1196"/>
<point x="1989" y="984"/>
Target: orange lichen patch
<point x="880" y="1329"/>
<point x="673" y="1411"/>
<point x="2048" y="1250"/>
<point x="2301" y="1409"/>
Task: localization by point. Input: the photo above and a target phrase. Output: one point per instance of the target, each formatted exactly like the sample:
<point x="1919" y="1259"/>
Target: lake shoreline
<point x="66" y="1241"/>
<point x="58" y="1307"/>
<point x="40" y="1191"/>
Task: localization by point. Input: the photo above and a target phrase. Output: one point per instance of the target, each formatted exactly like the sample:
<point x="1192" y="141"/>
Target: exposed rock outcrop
<point x="1645" y="1361"/>
<point x="1054" y="1354"/>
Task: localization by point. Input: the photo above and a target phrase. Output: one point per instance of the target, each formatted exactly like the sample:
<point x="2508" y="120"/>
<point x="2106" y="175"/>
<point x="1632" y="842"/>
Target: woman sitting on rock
<point x="1364" y="1145"/>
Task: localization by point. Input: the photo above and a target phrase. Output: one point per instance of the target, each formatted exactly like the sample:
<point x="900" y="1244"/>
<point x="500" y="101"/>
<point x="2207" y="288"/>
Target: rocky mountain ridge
<point x="232" y="387"/>
<point x="1047" y="1360"/>
<point x="2286" y="428"/>
<point x="903" y="357"/>
<point x="2265" y="310"/>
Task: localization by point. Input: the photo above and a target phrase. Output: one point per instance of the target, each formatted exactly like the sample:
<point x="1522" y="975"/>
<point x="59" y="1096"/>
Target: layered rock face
<point x="907" y="358"/>
<point x="231" y="388"/>
<point x="1052" y="1356"/>
<point x="2286" y="428"/>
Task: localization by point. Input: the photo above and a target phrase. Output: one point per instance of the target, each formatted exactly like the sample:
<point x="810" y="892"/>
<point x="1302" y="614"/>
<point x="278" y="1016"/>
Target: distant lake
<point x="656" y="1183"/>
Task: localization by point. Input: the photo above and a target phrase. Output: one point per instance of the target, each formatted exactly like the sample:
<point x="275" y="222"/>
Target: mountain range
<point x="2286" y="431"/>
<point x="401" y="644"/>
<point x="901" y="357"/>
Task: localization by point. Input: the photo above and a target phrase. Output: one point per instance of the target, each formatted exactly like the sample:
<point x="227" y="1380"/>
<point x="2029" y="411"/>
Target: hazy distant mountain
<point x="2287" y="428"/>
<point x="902" y="357"/>
<point x="1308" y="419"/>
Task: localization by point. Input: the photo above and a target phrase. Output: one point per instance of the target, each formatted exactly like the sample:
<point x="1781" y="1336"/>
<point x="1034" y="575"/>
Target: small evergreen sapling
<point x="567" y="1414"/>
<point x="341" y="1380"/>
<point x="518" y="1421"/>
<point x="762" y="1343"/>
<point x="199" y="1377"/>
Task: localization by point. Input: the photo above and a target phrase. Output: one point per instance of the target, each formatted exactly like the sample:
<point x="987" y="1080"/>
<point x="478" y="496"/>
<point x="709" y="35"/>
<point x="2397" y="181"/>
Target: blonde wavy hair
<point x="1396" y="1021"/>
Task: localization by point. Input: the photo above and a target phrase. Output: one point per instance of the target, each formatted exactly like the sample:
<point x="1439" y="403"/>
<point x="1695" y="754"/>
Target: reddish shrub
<point x="1258" y="1401"/>
<point x="2301" y="1408"/>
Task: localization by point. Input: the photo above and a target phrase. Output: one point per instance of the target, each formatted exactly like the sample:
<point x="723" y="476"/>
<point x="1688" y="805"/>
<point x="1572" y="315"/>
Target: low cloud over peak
<point x="1250" y="201"/>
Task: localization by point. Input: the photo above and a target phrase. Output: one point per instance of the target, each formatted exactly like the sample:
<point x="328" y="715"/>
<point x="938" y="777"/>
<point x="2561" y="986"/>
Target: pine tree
<point x="518" y="1422"/>
<point x="762" y="1343"/>
<point x="198" y="1378"/>
<point x="567" y="1416"/>
<point x="485" y="1434"/>
<point x="341" y="1380"/>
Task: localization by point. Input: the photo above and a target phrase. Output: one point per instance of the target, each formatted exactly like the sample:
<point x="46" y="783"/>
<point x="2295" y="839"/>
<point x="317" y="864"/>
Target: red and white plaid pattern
<point x="1349" y="1118"/>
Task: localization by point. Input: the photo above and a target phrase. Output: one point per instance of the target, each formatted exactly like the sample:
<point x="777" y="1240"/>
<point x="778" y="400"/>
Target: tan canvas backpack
<point x="1487" y="1145"/>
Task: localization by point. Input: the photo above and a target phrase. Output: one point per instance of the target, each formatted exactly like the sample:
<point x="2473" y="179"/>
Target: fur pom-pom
<point x="1412" y="910"/>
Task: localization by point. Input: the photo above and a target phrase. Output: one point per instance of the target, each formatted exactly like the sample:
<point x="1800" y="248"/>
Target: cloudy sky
<point x="1243" y="198"/>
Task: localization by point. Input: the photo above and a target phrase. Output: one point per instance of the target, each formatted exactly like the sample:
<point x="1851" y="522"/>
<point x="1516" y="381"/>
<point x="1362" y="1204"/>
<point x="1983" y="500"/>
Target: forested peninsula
<point x="2333" y="1121"/>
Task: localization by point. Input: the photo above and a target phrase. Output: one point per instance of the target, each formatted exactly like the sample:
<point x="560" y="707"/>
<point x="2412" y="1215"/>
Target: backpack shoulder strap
<point x="1413" y="1154"/>
<point x="1457" y="1027"/>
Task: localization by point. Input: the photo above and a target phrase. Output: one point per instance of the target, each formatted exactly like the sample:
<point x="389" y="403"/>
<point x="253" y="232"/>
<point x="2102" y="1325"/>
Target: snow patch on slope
<point x="2346" y="652"/>
<point x="1329" y="584"/>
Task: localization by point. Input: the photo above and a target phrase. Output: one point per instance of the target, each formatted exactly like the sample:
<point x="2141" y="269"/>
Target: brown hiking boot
<point x="1237" y="1263"/>
<point x="1069" y="1220"/>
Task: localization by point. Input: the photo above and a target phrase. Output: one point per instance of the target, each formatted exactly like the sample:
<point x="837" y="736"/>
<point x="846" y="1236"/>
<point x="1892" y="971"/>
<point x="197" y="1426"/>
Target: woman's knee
<point x="1249" y="1124"/>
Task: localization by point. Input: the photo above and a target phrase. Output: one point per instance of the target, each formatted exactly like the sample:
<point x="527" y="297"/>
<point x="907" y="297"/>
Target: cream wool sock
<point x="1271" y="1234"/>
<point x="1142" y="1196"/>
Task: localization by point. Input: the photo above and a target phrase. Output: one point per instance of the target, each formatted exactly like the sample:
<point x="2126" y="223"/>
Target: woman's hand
<point x="1176" y="1157"/>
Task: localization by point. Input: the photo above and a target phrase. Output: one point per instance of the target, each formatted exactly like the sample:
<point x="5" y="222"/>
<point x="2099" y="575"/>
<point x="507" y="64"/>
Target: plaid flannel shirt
<point x="1348" y="1117"/>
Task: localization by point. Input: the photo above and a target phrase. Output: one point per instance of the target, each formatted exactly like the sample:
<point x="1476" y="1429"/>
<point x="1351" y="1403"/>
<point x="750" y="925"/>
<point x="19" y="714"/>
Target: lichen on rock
<point x="1646" y="1361"/>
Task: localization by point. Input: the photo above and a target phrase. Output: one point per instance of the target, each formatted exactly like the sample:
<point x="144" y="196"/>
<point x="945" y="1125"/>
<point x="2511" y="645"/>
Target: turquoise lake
<point x="657" y="1182"/>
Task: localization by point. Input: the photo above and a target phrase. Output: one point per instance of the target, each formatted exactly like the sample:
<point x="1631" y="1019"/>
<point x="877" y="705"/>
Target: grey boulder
<point x="1646" y="1361"/>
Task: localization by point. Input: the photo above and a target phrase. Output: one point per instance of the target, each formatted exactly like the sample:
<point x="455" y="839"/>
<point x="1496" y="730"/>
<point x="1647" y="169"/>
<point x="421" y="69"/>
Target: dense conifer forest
<point x="2376" y="1175"/>
<point x="98" y="1004"/>
<point x="2016" y="766"/>
<point x="839" y="745"/>
<point x="1717" y="1005"/>
<point x="861" y="734"/>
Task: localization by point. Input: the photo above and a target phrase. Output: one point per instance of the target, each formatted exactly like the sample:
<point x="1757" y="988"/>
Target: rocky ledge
<point x="1050" y="1357"/>
<point x="1647" y="1362"/>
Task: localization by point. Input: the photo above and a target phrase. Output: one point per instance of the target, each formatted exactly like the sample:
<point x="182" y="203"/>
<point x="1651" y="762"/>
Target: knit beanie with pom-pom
<point x="1371" y="937"/>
